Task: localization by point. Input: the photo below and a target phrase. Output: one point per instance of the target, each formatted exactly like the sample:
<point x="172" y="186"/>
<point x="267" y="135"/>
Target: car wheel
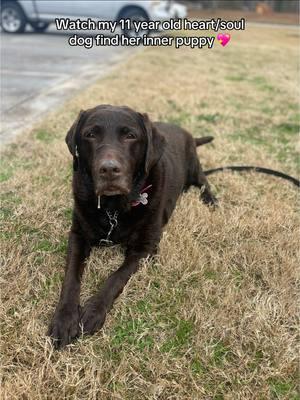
<point x="13" y="19"/>
<point x="134" y="14"/>
<point x="39" y="27"/>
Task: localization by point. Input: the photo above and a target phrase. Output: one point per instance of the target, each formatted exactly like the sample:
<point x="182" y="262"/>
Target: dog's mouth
<point x="112" y="190"/>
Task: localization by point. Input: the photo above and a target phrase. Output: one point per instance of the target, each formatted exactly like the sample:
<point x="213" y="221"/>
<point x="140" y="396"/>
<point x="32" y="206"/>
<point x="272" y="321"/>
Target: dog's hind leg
<point x="206" y="194"/>
<point x="196" y="176"/>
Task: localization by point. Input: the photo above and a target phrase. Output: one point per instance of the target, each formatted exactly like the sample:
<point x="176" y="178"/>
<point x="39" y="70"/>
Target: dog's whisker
<point x="99" y="201"/>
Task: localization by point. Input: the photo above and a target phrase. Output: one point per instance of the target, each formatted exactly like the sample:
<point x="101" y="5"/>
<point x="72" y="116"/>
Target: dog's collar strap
<point x="113" y="217"/>
<point x="143" y="197"/>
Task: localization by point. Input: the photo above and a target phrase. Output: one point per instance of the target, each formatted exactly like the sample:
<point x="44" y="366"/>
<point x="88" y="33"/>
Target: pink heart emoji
<point x="223" y="39"/>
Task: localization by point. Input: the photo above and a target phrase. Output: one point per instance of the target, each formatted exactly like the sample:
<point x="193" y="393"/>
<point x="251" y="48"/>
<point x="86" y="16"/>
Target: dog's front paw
<point x="92" y="317"/>
<point x="64" y="326"/>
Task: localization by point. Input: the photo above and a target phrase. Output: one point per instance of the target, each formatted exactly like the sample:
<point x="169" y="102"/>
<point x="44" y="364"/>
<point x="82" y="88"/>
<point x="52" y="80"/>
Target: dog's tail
<point x="203" y="140"/>
<point x="249" y="168"/>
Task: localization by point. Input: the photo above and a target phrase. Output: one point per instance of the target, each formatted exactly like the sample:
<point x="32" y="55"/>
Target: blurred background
<point x="246" y="5"/>
<point x="40" y="70"/>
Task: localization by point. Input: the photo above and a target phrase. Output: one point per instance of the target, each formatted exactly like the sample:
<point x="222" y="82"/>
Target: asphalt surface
<point x="40" y="71"/>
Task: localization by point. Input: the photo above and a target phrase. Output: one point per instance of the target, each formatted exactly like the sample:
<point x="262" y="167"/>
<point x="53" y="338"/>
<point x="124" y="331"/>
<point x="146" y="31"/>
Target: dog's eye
<point x="90" y="135"/>
<point x="127" y="134"/>
<point x="130" y="136"/>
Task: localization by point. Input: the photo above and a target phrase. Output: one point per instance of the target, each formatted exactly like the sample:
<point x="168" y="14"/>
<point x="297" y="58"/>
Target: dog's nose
<point x="110" y="168"/>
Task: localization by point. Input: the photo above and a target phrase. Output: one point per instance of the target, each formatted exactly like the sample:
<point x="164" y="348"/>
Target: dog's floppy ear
<point x="155" y="143"/>
<point x="71" y="135"/>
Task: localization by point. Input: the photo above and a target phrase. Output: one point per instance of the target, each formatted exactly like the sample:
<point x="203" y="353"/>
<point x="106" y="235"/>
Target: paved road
<point x="39" y="71"/>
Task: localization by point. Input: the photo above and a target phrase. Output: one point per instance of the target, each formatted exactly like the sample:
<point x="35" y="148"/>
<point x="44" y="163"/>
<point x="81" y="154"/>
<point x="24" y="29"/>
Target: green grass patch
<point x="5" y="173"/>
<point x="179" y="118"/>
<point x="45" y="245"/>
<point x="257" y="360"/>
<point x="5" y="213"/>
<point x="197" y="367"/>
<point x="133" y="332"/>
<point x="45" y="287"/>
<point x="210" y="274"/>
<point x="220" y="353"/>
<point x="236" y="78"/>
<point x="68" y="212"/>
<point x="4" y="235"/>
<point x="293" y="106"/>
<point x="144" y="307"/>
<point x="9" y="201"/>
<point x="44" y="136"/>
<point x="261" y="83"/>
<point x="287" y="128"/>
<point x="281" y="389"/>
<point x="237" y="278"/>
<point x="9" y="165"/>
<point x="278" y="140"/>
<point x="51" y="281"/>
<point x="182" y="331"/>
<point x="177" y="115"/>
<point x="211" y="118"/>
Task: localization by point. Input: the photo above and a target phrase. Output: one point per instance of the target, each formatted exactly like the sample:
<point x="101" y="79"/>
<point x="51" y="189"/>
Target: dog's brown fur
<point x="117" y="152"/>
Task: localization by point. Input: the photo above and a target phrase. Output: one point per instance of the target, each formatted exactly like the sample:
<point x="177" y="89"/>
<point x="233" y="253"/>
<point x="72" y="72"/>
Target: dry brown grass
<point x="214" y="316"/>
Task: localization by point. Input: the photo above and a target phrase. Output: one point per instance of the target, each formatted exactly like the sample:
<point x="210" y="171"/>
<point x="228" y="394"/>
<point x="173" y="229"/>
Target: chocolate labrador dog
<point x="128" y="175"/>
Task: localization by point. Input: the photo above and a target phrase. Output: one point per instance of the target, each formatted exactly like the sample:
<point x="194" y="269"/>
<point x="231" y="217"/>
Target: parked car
<point x="16" y="14"/>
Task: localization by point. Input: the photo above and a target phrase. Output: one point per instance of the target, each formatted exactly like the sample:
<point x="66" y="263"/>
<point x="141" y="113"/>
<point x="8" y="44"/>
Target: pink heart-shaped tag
<point x="223" y="39"/>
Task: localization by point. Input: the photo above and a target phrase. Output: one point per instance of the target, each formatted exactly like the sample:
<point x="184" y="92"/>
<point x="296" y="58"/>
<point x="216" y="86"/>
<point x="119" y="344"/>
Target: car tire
<point x="39" y="27"/>
<point x="13" y="19"/>
<point x="134" y="14"/>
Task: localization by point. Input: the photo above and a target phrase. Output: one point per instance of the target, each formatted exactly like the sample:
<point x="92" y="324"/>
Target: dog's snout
<point x="110" y="168"/>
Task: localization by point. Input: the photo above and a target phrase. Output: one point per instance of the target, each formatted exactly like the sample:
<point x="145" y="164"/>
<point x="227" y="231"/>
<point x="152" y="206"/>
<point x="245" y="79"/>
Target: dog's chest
<point x="110" y="227"/>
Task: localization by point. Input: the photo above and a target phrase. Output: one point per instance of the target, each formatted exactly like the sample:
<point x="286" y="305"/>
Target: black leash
<point x="241" y="168"/>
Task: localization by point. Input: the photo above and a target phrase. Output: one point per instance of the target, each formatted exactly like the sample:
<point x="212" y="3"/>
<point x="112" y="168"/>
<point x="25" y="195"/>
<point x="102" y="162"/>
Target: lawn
<point x="214" y="315"/>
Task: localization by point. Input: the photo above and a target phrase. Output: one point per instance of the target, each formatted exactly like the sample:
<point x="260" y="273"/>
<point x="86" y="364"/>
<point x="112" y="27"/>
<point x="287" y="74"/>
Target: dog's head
<point x="115" y="146"/>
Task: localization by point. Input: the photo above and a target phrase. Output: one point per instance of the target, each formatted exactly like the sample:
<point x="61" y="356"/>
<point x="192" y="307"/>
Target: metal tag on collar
<point x="143" y="199"/>
<point x="76" y="152"/>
